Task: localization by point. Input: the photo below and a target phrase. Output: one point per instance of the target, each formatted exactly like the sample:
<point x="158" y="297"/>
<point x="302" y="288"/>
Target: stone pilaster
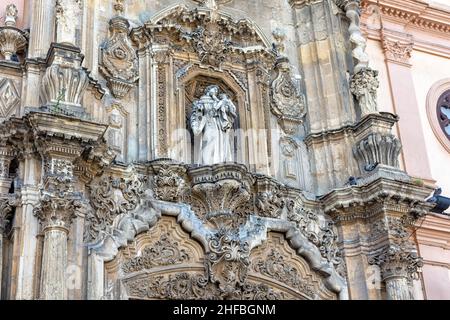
<point x="7" y="203"/>
<point x="42" y="30"/>
<point x="398" y="265"/>
<point x="398" y="50"/>
<point x="56" y="213"/>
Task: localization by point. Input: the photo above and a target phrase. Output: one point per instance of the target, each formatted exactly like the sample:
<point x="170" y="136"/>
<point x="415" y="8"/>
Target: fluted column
<point x="56" y="213"/>
<point x="42" y="22"/>
<point x="398" y="264"/>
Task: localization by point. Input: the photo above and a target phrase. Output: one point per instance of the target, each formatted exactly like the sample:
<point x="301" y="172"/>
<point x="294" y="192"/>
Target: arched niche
<point x="181" y="44"/>
<point x="191" y="87"/>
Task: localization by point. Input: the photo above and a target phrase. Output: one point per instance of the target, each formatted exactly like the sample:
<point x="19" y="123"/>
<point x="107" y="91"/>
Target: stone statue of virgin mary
<point x="212" y="119"/>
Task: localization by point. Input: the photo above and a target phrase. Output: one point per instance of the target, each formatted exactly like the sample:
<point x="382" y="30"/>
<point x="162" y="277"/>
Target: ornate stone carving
<point x="111" y="197"/>
<point x="7" y="204"/>
<point x="288" y="104"/>
<point x="320" y="232"/>
<point x="9" y="97"/>
<point x="210" y="44"/>
<point x="398" y="259"/>
<point x="275" y="266"/>
<point x="215" y="196"/>
<point x="58" y="210"/>
<point x="364" y="85"/>
<point x="11" y="14"/>
<point x="377" y="148"/>
<point x="118" y="59"/>
<point x="12" y="40"/>
<point x="397" y="51"/>
<point x="228" y="260"/>
<point x="188" y="286"/>
<point x="212" y="4"/>
<point x="64" y="81"/>
<point x="164" y="252"/>
<point x="168" y="184"/>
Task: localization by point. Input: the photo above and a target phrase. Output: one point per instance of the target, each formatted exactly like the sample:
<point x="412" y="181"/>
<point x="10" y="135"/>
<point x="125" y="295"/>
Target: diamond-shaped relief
<point x="9" y="97"/>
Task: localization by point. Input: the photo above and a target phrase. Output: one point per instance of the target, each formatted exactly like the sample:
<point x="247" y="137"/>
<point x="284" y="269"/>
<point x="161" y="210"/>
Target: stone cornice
<point x="383" y="120"/>
<point x="345" y="203"/>
<point x="413" y="13"/>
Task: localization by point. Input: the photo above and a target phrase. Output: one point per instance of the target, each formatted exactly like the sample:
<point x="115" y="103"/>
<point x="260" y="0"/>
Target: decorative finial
<point x="119" y="7"/>
<point x="280" y="36"/>
<point x="11" y="15"/>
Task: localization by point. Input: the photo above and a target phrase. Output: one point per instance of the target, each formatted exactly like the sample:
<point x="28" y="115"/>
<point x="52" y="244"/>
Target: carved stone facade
<point x="109" y="143"/>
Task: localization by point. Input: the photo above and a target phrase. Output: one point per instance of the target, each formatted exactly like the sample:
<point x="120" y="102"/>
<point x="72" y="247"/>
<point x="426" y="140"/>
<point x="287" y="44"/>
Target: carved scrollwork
<point x="119" y="59"/>
<point x="164" y="252"/>
<point x="12" y="40"/>
<point x="168" y="183"/>
<point x="321" y="233"/>
<point x="288" y="104"/>
<point x="398" y="261"/>
<point x="7" y="204"/>
<point x="275" y="266"/>
<point x="228" y="260"/>
<point x="111" y="197"/>
<point x="184" y="286"/>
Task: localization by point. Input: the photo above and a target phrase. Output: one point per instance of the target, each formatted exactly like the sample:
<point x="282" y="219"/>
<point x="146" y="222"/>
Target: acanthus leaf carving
<point x="398" y="51"/>
<point x="111" y="197"/>
<point x="364" y="85"/>
<point x="275" y="266"/>
<point x="228" y="260"/>
<point x="163" y="252"/>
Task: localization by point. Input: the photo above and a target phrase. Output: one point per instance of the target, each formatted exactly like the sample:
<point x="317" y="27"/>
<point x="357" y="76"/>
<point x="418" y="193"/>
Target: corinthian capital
<point x="398" y="261"/>
<point x="397" y="50"/>
<point x="59" y="210"/>
<point x="7" y="204"/>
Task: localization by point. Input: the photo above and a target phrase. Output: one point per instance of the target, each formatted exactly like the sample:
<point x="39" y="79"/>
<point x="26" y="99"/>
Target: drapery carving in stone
<point x="376" y="149"/>
<point x="364" y="85"/>
<point x="288" y="104"/>
<point x="212" y="119"/>
<point x="118" y="59"/>
<point x="12" y="40"/>
<point x="163" y="252"/>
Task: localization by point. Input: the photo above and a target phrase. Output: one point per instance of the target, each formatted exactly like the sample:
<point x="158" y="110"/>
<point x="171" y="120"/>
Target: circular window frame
<point x="436" y="91"/>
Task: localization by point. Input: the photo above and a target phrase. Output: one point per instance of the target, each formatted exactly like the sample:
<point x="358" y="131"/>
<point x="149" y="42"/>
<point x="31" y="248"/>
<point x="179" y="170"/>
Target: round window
<point x="443" y="112"/>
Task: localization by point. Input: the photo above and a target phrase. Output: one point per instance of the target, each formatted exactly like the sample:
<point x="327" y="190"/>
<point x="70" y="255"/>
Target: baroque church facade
<point x="200" y="149"/>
